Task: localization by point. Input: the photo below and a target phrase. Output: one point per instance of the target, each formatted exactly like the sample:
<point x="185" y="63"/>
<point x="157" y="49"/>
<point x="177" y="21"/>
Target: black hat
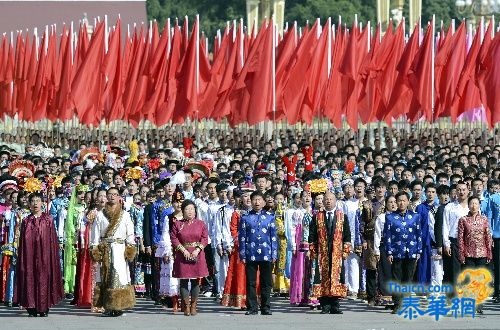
<point x="172" y="161"/>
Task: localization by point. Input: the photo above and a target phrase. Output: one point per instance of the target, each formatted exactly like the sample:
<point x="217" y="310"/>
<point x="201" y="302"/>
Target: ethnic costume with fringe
<point x="16" y="218"/>
<point x="113" y="242"/>
<point x="329" y="244"/>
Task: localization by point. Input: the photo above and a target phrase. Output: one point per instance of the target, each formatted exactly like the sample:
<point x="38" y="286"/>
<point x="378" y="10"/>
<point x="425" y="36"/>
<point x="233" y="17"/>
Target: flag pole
<point x="273" y="74"/>
<point x="197" y="73"/>
<point x="432" y="74"/>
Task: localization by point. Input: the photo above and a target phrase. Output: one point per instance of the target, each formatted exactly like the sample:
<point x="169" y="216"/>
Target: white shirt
<point x="379" y="229"/>
<point x="203" y="213"/>
<point x="222" y="226"/>
<point x="350" y="208"/>
<point x="452" y="213"/>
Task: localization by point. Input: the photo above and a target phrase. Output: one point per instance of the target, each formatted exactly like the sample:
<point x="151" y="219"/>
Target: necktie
<point x="329" y="219"/>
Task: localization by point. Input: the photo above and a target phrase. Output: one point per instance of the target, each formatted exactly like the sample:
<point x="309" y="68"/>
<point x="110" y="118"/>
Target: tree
<point x="213" y="14"/>
<point x="302" y="10"/>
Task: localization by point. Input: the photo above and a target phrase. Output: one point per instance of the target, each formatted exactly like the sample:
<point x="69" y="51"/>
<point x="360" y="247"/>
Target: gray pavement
<point x="357" y="315"/>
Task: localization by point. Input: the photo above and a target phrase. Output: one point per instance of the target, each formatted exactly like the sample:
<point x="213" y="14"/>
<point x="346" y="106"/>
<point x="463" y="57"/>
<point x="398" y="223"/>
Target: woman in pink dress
<point x="189" y="237"/>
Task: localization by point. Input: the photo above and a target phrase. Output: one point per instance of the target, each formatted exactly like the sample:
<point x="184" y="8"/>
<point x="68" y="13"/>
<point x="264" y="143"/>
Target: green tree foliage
<point x="213" y="13"/>
<point x="302" y="10"/>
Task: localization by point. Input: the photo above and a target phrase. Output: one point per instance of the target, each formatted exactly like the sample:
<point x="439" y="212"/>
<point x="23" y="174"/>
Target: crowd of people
<point x="309" y="216"/>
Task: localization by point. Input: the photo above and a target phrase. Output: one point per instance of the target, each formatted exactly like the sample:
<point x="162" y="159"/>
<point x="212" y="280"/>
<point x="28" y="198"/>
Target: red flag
<point x="86" y="88"/>
<point x="166" y="106"/>
<point x="317" y="76"/>
<point x="402" y="94"/>
<point x="223" y="62"/>
<point x="112" y="71"/>
<point x="356" y="49"/>
<point x="64" y="95"/>
<point x="50" y="79"/>
<point x="369" y="98"/>
<point x="252" y="93"/>
<point x="233" y="67"/>
<point x="137" y="53"/>
<point x="489" y="79"/>
<point x="386" y="73"/>
<point x="30" y="82"/>
<point x="22" y="82"/>
<point x="40" y="94"/>
<point x="467" y="96"/>
<point x="7" y="81"/>
<point x="294" y="90"/>
<point x="193" y="76"/>
<point x="447" y="84"/>
<point x="18" y="71"/>
<point x="136" y="111"/>
<point x="285" y="53"/>
<point x="158" y="74"/>
<point x="332" y="101"/>
<point x="420" y="78"/>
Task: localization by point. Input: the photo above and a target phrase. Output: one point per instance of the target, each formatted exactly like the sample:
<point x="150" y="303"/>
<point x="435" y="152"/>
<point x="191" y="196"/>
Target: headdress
<point x="89" y="153"/>
<point x="318" y="186"/>
<point x="32" y="185"/>
<point x="199" y="169"/>
<point x="21" y="169"/>
<point x="8" y="182"/>
<point x="82" y="188"/>
<point x="178" y="195"/>
<point x="134" y="173"/>
<point x="134" y="151"/>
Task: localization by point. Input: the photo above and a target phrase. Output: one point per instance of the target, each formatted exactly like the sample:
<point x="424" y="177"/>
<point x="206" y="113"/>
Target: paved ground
<point x="357" y="315"/>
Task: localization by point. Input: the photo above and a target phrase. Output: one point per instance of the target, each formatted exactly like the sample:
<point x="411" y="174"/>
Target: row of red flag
<point x="315" y="72"/>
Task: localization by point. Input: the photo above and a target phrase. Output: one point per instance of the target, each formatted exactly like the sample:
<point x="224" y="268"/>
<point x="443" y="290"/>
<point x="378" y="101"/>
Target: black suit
<point x="151" y="287"/>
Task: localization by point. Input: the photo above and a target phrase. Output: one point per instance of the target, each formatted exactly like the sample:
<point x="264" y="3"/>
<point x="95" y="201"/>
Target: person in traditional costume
<point x="281" y="282"/>
<point x="353" y="262"/>
<point x="113" y="246"/>
<point x="474" y="239"/>
<point x="301" y="220"/>
<point x="85" y="278"/>
<point x="368" y="214"/>
<point x="384" y="267"/>
<point x="403" y="243"/>
<point x="258" y="251"/>
<point x="314" y="278"/>
<point x="360" y="187"/>
<point x="22" y="171"/>
<point x="189" y="237"/>
<point x="20" y="210"/>
<point x="73" y="224"/>
<point x="235" y="286"/>
<point x="330" y="244"/>
<point x="38" y="273"/>
<point x="137" y="215"/>
<point x="169" y="285"/>
<point x="222" y="236"/>
<point x="160" y="211"/>
<point x="8" y="184"/>
<point x="9" y="249"/>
